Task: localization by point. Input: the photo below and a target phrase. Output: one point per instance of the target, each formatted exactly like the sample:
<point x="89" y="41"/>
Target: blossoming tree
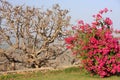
<point x="94" y="43"/>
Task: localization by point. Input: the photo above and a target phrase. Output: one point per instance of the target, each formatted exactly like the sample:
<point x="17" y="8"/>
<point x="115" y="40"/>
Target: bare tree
<point x="32" y="33"/>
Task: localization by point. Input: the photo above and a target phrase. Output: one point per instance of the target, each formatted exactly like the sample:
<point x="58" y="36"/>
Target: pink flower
<point x="74" y="28"/>
<point x="118" y="55"/>
<point x="102" y="64"/>
<point x="101" y="12"/>
<point x="108" y="21"/>
<point x="93" y="40"/>
<point x="69" y="40"/>
<point x="117" y="31"/>
<point x="105" y="10"/>
<point x="114" y="68"/>
<point x="113" y="71"/>
<point x="82" y="27"/>
<point x="103" y="74"/>
<point x="93" y="16"/>
<point x="95" y="23"/>
<point x="98" y="17"/>
<point x="105" y="51"/>
<point x="81" y="22"/>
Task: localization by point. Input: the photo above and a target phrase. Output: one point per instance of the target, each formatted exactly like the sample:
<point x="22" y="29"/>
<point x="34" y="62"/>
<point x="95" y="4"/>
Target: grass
<point x="66" y="74"/>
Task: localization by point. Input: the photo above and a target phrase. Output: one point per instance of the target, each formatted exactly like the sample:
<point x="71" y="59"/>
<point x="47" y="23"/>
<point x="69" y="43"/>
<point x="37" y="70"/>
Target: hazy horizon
<point x="82" y="9"/>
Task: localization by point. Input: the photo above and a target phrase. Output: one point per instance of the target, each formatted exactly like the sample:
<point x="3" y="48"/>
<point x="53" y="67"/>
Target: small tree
<point x="32" y="31"/>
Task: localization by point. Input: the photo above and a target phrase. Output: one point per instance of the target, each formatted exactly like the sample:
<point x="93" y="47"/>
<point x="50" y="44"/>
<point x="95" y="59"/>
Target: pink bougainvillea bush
<point x="94" y="43"/>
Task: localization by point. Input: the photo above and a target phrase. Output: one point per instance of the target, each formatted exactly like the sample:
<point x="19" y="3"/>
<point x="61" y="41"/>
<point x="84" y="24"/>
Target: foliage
<point x="96" y="46"/>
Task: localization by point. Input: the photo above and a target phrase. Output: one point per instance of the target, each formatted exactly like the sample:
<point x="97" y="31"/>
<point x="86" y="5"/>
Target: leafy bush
<point x="96" y="46"/>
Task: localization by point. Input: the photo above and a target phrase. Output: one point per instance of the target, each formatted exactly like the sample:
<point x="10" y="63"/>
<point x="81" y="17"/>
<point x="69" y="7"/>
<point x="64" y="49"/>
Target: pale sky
<point x="79" y="9"/>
